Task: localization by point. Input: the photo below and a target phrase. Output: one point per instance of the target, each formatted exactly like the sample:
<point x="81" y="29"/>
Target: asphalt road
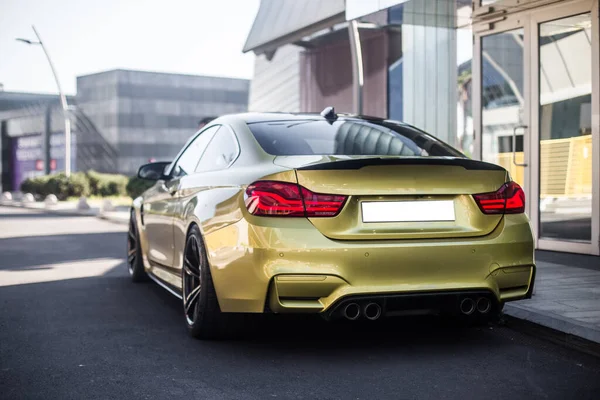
<point x="73" y="326"/>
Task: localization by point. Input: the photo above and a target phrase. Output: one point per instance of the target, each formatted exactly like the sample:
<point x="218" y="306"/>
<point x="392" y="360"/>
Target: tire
<point x="203" y="316"/>
<point x="135" y="264"/>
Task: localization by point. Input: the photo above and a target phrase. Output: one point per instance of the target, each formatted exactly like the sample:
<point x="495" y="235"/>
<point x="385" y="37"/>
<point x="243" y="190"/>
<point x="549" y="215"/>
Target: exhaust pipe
<point x="483" y="305"/>
<point x="467" y="306"/>
<point x="351" y="311"/>
<point x="372" y="311"/>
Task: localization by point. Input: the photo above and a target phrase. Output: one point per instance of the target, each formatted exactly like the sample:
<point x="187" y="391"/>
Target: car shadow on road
<point x="297" y="333"/>
<point x="125" y="336"/>
<point x="112" y="301"/>
<point x="145" y="315"/>
<point x="110" y="322"/>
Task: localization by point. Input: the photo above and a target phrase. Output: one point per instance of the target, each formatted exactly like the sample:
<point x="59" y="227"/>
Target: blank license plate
<point x="407" y="211"/>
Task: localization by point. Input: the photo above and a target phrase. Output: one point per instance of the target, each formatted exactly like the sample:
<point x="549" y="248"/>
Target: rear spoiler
<point x="466" y="163"/>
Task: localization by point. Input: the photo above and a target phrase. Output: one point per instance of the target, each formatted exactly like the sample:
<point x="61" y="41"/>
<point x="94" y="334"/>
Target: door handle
<point x="514" y="145"/>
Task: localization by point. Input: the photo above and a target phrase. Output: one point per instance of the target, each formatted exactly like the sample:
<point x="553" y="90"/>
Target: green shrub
<point x="36" y="185"/>
<point x="78" y="185"/>
<point x="94" y="180"/>
<point x="62" y="187"/>
<point x="137" y="186"/>
<point x="84" y="184"/>
<point x="115" y="186"/>
<point x="107" y="184"/>
<point x="58" y="184"/>
<point x="28" y="186"/>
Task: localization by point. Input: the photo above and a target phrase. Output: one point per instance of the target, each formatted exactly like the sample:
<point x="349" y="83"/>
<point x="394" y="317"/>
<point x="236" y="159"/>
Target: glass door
<point x="504" y="116"/>
<point x="502" y="90"/>
<point x="536" y="113"/>
<point x="564" y="159"/>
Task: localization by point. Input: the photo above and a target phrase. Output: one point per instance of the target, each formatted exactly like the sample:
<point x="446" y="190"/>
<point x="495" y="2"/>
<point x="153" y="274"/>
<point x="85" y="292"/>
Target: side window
<point x="220" y="153"/>
<point x="186" y="164"/>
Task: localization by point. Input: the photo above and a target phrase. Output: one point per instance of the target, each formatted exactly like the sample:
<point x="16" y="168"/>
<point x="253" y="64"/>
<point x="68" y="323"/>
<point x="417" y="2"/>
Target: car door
<point x="194" y="191"/>
<point x="160" y="207"/>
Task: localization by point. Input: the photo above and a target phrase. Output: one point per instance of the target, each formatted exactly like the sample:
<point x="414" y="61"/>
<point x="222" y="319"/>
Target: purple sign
<point x="28" y="156"/>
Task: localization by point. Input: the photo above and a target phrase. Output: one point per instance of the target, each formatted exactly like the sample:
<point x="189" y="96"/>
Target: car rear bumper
<point x="288" y="266"/>
<point x="421" y="303"/>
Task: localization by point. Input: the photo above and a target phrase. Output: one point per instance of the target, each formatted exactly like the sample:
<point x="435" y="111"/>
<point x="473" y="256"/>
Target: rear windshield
<point x="347" y="137"/>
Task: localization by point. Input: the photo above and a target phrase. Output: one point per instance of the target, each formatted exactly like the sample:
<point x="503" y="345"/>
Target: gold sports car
<point x="346" y="216"/>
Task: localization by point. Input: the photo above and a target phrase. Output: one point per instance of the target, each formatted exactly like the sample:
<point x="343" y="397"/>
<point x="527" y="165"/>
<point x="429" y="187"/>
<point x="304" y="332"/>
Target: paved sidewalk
<point x="567" y="297"/>
<point x="119" y="215"/>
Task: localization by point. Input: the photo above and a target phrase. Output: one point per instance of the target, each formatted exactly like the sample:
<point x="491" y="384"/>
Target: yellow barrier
<point x="505" y="160"/>
<point x="565" y="167"/>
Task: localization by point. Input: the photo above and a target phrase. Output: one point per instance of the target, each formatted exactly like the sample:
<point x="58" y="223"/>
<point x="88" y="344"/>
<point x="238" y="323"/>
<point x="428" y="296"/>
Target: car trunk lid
<point x="400" y="198"/>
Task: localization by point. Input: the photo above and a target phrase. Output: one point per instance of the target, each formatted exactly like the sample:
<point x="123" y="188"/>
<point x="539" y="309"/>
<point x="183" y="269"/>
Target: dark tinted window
<point x="220" y="153"/>
<point x="347" y="137"/>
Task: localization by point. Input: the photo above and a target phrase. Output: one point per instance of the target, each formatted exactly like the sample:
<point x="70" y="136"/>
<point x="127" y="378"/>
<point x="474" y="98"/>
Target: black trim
<point x="447" y="299"/>
<point x="531" y="284"/>
<point x="165" y="285"/>
<point x="466" y="163"/>
<point x="275" y="116"/>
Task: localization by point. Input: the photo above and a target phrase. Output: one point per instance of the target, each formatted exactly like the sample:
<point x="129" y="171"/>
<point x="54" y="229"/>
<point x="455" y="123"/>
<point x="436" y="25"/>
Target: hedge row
<point x="89" y="183"/>
<point x="137" y="186"/>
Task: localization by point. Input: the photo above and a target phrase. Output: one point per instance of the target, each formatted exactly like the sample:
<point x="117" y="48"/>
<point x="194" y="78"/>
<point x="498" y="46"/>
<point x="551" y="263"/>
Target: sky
<point x="202" y="37"/>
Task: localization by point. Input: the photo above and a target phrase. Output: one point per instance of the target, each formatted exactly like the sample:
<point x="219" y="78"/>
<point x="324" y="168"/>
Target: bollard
<point x="28" y="198"/>
<point x="107" y="205"/>
<point x="82" y="204"/>
<point x="51" y="200"/>
<point x="6" y="196"/>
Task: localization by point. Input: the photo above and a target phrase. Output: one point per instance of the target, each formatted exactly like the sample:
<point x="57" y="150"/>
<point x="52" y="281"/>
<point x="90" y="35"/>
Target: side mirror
<point x="153" y="171"/>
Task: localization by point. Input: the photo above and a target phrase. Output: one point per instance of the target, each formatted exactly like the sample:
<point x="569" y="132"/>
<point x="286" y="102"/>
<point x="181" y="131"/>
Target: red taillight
<point x="270" y="198"/>
<point x="322" y="205"/>
<point x="509" y="199"/>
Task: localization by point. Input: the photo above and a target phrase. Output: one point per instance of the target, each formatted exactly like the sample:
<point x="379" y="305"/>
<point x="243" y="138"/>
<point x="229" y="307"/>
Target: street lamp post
<point x="63" y="101"/>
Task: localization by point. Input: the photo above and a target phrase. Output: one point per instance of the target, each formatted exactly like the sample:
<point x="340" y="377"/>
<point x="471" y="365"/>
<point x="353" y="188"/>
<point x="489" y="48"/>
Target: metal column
<point x="357" y="67"/>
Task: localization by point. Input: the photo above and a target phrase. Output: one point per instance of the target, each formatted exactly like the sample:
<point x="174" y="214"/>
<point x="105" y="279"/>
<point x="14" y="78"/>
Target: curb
<point x="72" y="213"/>
<point x="555" y="322"/>
<point x="115" y="220"/>
<point x="552" y="335"/>
<point x="81" y="213"/>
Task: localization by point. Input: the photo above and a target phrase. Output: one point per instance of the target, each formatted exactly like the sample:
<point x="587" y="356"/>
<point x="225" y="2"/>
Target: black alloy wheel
<point x="192" y="281"/>
<point x="203" y="316"/>
<point x="135" y="264"/>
